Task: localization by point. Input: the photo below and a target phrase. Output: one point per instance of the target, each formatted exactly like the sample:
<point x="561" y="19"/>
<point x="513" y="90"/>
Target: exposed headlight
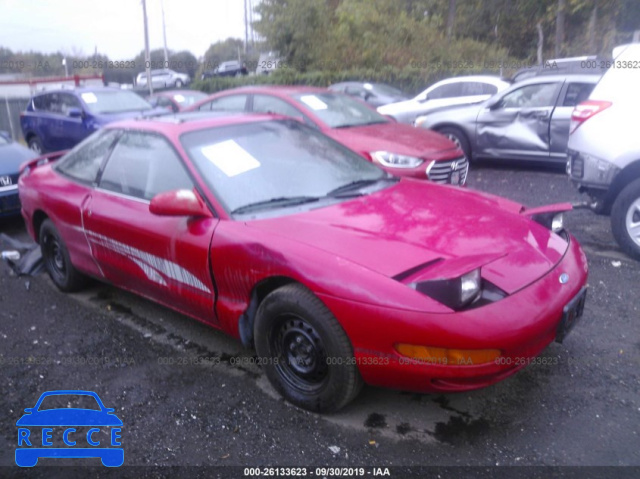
<point x="393" y="160"/>
<point x="419" y="121"/>
<point x="455" y="293"/>
<point x="551" y="221"/>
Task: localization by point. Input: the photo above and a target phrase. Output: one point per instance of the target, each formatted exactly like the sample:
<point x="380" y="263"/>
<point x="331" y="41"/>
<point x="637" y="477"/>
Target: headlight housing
<point x="551" y="221"/>
<point x="419" y="121"/>
<point x="456" y="293"/>
<point x="394" y="160"/>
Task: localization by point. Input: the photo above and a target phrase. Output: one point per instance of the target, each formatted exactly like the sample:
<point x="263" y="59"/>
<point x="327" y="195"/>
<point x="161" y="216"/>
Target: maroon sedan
<point x="400" y="149"/>
<point x="337" y="272"/>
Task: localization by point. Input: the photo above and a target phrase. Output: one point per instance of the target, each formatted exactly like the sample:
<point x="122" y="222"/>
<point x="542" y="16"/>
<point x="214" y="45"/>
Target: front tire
<point x="459" y="138"/>
<point x="57" y="261"/>
<point x="307" y="356"/>
<point x="625" y="219"/>
<point x="36" y="145"/>
<point x="179" y="83"/>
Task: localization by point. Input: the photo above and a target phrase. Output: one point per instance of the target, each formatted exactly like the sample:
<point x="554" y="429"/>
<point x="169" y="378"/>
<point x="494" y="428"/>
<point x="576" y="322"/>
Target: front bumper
<point x="9" y="201"/>
<point x="521" y="326"/>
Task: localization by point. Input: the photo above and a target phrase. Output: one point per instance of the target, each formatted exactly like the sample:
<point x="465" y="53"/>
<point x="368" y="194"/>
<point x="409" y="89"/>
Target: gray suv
<point x="604" y="147"/>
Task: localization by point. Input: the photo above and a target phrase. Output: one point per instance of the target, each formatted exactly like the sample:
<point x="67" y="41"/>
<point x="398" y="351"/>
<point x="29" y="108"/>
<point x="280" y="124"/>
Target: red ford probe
<point x="400" y="149"/>
<point x="336" y="271"/>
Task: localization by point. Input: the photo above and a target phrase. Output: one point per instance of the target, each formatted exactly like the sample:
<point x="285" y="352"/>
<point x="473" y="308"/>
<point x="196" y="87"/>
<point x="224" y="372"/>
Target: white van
<point x="604" y="147"/>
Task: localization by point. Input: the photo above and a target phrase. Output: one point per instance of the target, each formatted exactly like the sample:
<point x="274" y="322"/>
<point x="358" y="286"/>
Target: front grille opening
<point x="449" y="172"/>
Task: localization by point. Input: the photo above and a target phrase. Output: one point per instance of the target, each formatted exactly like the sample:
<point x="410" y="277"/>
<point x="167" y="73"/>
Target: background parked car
<point x="449" y="92"/>
<point x="176" y="100"/>
<point x="400" y="149"/>
<point x="12" y="155"/>
<point x="528" y="121"/>
<point x="231" y="68"/>
<point x="60" y="119"/>
<point x="604" y="148"/>
<point x="163" y="78"/>
<point x="376" y="94"/>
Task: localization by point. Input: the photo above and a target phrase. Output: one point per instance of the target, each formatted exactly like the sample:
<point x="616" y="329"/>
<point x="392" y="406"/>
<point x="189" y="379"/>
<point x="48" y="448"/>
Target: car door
<point x="165" y="258"/>
<point x="440" y="96"/>
<point x="226" y="103"/>
<point x="46" y="121"/>
<point x="71" y="129"/>
<point x="516" y="126"/>
<point x="573" y="92"/>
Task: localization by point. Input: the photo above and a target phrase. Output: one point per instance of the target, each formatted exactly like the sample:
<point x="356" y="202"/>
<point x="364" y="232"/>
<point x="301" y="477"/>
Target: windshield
<point x="340" y="111"/>
<point x="272" y="161"/>
<point x="114" y="101"/>
<point x="189" y="98"/>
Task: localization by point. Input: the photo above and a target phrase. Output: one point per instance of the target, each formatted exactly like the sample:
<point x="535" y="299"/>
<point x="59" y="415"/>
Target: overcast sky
<point x="115" y="26"/>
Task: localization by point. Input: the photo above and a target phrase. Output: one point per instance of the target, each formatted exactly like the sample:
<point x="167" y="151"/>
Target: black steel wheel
<point x="57" y="261"/>
<point x="307" y="356"/>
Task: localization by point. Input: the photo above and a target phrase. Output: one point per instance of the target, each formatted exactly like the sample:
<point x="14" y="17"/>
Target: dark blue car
<point x="12" y="155"/>
<point x="60" y="119"/>
<point x="50" y="429"/>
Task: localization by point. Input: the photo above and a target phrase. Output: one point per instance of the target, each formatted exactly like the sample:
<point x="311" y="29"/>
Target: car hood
<point x="413" y="223"/>
<point x="395" y="138"/>
<point x="12" y="156"/>
<point x="69" y="417"/>
<point x="400" y="107"/>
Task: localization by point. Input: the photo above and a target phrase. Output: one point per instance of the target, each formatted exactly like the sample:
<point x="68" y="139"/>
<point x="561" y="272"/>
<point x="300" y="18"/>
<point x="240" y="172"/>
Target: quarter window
<point x="143" y="165"/>
<point x="84" y="161"/>
<point x="576" y="93"/>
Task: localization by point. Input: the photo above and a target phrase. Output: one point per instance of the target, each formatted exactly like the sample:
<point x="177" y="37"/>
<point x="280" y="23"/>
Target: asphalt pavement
<point x="190" y="396"/>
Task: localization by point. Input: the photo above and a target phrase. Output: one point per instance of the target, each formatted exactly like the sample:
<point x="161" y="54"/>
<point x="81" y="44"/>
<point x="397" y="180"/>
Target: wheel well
<point x="38" y="218"/>
<point x="629" y="174"/>
<point x="258" y="293"/>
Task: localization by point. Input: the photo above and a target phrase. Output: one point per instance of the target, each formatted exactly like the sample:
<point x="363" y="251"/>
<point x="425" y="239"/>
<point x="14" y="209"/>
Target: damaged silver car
<point x="528" y="121"/>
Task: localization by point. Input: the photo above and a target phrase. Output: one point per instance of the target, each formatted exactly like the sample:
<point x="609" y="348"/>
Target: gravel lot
<point x="190" y="396"/>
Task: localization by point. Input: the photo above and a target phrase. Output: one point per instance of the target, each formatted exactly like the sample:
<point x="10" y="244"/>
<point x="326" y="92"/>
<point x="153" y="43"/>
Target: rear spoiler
<point x="41" y="160"/>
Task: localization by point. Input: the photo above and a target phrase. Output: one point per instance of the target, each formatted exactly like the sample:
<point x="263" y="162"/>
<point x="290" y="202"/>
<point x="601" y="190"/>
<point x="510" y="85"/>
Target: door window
<point x="226" y="103"/>
<point x="143" y="165"/>
<point x="530" y="96"/>
<point x="270" y="104"/>
<point x="450" y="90"/>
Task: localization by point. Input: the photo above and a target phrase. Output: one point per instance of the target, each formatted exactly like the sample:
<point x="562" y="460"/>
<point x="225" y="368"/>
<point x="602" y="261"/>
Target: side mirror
<point x="493" y="103"/>
<point x="179" y="203"/>
<point x="74" y="112"/>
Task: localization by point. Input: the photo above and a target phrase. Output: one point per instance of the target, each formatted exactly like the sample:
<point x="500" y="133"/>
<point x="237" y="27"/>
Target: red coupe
<point x="337" y="272"/>
<point x="400" y="149"/>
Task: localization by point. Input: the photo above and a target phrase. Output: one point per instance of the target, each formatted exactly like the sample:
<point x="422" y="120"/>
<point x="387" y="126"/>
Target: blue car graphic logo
<point x="69" y="432"/>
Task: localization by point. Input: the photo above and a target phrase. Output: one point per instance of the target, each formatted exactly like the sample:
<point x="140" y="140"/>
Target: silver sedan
<point x="528" y="121"/>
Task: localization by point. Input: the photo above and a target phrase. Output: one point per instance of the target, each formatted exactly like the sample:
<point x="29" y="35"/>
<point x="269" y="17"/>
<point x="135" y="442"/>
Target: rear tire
<point x="625" y="219"/>
<point x="459" y="138"/>
<point x="57" y="261"/>
<point x="307" y="356"/>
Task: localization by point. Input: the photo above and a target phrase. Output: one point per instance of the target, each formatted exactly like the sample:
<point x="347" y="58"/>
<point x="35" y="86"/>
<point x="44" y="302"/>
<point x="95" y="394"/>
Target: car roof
<point x="550" y="78"/>
<point x="281" y="89"/>
<point x="182" y="122"/>
<point x="79" y="89"/>
<point x="475" y="78"/>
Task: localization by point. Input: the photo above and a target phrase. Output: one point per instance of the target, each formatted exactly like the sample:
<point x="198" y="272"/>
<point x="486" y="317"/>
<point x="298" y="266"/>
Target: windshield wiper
<point x="275" y="203"/>
<point x="350" y="189"/>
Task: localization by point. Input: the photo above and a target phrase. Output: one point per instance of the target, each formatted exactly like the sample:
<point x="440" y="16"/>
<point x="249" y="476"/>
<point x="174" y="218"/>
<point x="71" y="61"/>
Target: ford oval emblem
<point x="564" y="278"/>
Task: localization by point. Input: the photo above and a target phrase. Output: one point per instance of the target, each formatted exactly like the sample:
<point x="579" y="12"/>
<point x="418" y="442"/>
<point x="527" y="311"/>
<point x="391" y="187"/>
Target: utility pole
<point x="164" y="35"/>
<point x="246" y="27"/>
<point x="147" y="55"/>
